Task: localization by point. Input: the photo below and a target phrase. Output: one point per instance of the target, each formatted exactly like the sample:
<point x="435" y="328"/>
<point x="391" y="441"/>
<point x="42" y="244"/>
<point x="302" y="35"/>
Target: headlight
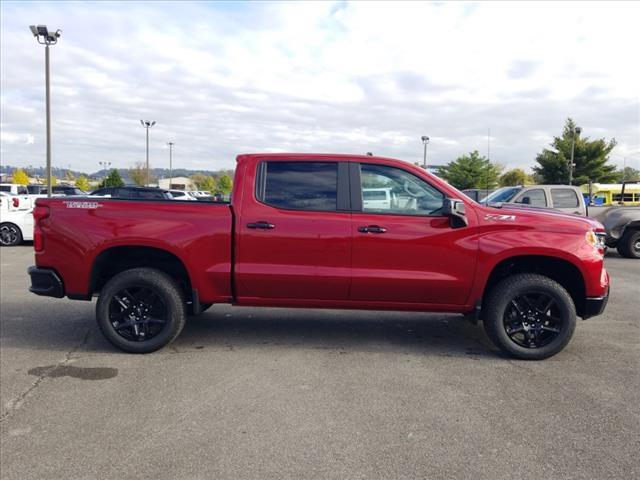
<point x="596" y="239"/>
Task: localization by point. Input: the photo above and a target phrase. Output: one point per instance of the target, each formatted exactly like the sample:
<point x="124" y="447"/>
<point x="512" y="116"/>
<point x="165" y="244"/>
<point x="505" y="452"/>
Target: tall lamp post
<point x="147" y="125"/>
<point x="574" y="132"/>
<point x="105" y="166"/>
<point x="425" y="141"/>
<point x="46" y="38"/>
<point x="170" y="144"/>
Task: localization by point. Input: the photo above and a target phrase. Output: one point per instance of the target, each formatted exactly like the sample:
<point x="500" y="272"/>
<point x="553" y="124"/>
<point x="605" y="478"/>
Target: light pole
<point x="170" y="144"/>
<point x="46" y="38"/>
<point x="574" y="132"/>
<point x="147" y="125"/>
<point x="425" y="141"/>
<point x="105" y="166"/>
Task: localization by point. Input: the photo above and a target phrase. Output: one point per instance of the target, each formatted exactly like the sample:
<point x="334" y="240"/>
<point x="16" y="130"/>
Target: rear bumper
<point x="45" y="282"/>
<point x="594" y="306"/>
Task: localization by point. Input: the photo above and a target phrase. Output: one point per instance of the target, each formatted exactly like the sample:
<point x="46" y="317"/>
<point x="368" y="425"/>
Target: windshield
<point x="503" y="194"/>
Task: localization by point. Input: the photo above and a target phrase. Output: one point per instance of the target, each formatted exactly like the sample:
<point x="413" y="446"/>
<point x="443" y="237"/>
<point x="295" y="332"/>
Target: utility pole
<point x="147" y="125"/>
<point x="171" y="144"/>
<point x="425" y="141"/>
<point x="46" y="40"/>
<point x="574" y="132"/>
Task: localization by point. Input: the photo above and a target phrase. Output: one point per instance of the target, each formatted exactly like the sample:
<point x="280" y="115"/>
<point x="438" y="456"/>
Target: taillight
<point x="39" y="214"/>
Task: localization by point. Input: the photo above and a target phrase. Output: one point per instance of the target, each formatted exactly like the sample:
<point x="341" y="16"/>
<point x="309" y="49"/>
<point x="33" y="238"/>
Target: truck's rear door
<point x="293" y="238"/>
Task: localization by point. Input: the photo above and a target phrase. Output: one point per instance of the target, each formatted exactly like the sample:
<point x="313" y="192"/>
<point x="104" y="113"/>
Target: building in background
<point x="177" y="183"/>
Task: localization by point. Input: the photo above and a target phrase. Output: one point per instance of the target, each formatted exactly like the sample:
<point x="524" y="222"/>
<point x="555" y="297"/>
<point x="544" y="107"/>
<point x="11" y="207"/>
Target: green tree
<point x="54" y="181"/>
<point x="514" y="177"/>
<point x="472" y="171"/>
<point x="138" y="173"/>
<point x="225" y="184"/>
<point x="82" y="183"/>
<point x="20" y="177"/>
<point x="204" y="182"/>
<point x="628" y="173"/>
<point x="590" y="157"/>
<point x="113" y="180"/>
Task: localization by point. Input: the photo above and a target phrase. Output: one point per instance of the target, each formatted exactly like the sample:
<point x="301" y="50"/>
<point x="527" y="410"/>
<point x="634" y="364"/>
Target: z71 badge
<point x="500" y="218"/>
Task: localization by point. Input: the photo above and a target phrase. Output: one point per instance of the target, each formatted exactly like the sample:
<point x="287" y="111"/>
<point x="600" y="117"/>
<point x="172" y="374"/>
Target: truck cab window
<point x="395" y="191"/>
<point x="564" y="198"/>
<point x="300" y="185"/>
<point x="535" y="197"/>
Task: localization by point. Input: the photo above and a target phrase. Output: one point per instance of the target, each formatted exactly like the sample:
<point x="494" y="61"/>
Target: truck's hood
<point x="523" y="214"/>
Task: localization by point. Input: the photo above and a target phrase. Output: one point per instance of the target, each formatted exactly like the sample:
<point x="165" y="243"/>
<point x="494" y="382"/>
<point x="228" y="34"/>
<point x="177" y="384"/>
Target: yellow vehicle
<point x="611" y="194"/>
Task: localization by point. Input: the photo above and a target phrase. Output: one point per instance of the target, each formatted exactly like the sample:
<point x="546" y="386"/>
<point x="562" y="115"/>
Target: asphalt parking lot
<point x="278" y="393"/>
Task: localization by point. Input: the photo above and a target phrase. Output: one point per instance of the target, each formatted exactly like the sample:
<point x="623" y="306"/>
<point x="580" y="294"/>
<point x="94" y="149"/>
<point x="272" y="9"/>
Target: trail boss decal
<point x="84" y="205"/>
<point x="500" y="218"/>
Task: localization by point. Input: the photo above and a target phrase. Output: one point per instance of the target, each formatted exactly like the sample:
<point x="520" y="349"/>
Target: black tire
<point x="517" y="320"/>
<point x="629" y="244"/>
<point x="10" y="235"/>
<point x="203" y="308"/>
<point x="141" y="310"/>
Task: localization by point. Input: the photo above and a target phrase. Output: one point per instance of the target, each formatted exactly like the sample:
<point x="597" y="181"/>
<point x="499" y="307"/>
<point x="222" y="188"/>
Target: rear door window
<point x="300" y="185"/>
<point x="564" y="198"/>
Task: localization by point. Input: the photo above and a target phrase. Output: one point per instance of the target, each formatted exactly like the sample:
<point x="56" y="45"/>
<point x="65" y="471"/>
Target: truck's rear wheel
<point x="141" y="310"/>
<point x="629" y="244"/>
<point x="529" y="316"/>
<point x="10" y="235"/>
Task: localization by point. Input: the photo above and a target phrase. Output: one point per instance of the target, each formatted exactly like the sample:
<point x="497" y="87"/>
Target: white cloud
<point x="223" y="78"/>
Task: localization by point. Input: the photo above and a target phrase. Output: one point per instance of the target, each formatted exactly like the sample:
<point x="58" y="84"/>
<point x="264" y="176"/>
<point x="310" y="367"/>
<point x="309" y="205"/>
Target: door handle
<point x="372" y="229"/>
<point x="261" y="225"/>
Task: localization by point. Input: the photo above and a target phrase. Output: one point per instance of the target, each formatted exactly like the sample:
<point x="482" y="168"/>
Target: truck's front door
<point x="294" y="233"/>
<point x="408" y="252"/>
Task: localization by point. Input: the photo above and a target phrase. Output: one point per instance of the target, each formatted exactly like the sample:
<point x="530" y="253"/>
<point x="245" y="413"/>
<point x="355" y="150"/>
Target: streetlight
<point x="575" y="131"/>
<point x="170" y="144"/>
<point x="105" y="166"/>
<point x="46" y="38"/>
<point x="147" y="125"/>
<point x="425" y="141"/>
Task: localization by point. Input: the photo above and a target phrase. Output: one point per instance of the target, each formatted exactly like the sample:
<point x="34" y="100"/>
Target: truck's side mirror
<point x="526" y="200"/>
<point x="454" y="209"/>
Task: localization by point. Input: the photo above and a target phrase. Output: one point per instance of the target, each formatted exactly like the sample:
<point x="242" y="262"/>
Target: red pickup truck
<point x="325" y="231"/>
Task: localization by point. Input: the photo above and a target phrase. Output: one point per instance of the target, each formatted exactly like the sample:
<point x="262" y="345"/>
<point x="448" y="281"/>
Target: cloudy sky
<point x="226" y="78"/>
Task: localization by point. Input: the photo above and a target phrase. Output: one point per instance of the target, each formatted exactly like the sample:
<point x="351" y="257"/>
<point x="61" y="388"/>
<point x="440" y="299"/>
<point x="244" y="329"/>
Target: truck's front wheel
<point x="141" y="310"/>
<point x="529" y="316"/>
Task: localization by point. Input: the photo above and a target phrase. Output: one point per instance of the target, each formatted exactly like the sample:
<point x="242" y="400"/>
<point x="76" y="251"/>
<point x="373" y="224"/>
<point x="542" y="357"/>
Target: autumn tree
<point x="514" y="177"/>
<point x="138" y="173"/>
<point x="20" y="177"/>
<point x="82" y="183"/>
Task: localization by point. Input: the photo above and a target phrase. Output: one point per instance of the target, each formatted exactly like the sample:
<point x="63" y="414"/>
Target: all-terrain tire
<point x="629" y="244"/>
<point x="169" y="304"/>
<point x="503" y="302"/>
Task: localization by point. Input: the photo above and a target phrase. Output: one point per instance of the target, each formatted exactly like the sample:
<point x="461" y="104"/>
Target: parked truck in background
<point x="298" y="233"/>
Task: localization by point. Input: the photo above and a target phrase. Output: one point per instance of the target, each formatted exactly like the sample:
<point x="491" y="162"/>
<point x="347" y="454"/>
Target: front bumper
<point x="45" y="282"/>
<point x="594" y="306"/>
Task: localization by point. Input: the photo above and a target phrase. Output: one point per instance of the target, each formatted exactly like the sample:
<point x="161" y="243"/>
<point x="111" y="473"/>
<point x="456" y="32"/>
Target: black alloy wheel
<point x="533" y="320"/>
<point x="137" y="313"/>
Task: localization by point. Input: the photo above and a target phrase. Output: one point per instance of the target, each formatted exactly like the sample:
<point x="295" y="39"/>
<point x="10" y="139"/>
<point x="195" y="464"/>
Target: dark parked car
<point x="37" y="189"/>
<point x="134" y="193"/>
<point x="65" y="190"/>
